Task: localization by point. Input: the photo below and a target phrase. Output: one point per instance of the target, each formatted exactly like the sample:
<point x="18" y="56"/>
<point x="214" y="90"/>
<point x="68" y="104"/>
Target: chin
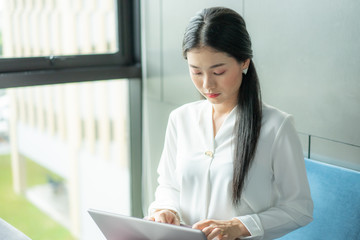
<point x="214" y="101"/>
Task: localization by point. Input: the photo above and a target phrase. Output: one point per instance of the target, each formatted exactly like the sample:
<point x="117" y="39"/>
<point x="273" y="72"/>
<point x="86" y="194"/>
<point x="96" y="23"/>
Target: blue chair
<point x="336" y="195"/>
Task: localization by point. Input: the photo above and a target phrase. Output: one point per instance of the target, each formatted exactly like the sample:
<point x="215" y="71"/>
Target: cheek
<point x="233" y="81"/>
<point x="197" y="82"/>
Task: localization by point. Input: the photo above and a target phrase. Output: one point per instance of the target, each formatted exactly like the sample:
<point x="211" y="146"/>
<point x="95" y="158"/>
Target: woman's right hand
<point x="165" y="216"/>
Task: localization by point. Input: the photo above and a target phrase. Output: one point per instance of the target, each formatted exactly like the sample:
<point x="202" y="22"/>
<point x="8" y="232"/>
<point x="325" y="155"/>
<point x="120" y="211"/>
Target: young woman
<point x="231" y="165"/>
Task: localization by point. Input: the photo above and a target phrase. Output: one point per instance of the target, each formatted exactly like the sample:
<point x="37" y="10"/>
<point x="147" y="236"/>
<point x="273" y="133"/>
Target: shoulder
<point x="190" y="109"/>
<point x="273" y="119"/>
<point x="273" y="115"/>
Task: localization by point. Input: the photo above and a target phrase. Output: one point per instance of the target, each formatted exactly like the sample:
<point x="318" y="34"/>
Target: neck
<point x="220" y="109"/>
<point x="219" y="114"/>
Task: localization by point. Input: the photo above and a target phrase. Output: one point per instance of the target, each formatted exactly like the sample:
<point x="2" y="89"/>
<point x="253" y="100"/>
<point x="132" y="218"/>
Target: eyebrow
<point x="213" y="66"/>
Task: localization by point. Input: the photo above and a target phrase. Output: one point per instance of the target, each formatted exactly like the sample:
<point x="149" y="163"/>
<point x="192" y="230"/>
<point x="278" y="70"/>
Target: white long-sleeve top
<point x="196" y="172"/>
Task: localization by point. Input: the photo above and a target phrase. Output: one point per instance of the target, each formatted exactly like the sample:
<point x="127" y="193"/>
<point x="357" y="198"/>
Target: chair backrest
<point x="336" y="195"/>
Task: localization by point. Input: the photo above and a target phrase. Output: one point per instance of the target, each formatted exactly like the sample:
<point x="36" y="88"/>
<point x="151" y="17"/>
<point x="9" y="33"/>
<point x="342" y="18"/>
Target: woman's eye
<point x="197" y="73"/>
<point x="219" y="73"/>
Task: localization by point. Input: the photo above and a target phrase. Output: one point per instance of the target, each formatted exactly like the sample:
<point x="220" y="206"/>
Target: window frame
<point x="126" y="63"/>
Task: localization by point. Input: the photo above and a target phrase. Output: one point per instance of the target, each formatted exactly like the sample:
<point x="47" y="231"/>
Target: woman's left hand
<point x="222" y="229"/>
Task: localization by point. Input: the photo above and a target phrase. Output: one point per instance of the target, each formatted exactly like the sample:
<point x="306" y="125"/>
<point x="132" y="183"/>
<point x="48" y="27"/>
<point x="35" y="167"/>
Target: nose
<point x="208" y="82"/>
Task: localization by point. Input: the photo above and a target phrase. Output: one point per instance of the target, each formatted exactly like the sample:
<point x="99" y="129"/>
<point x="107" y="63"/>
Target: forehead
<point x="207" y="55"/>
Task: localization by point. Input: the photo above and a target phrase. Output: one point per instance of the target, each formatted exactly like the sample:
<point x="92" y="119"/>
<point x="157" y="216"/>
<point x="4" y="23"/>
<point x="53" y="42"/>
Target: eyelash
<point x="216" y="74"/>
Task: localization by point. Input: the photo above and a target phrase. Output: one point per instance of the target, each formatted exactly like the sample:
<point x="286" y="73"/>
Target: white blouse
<point x="196" y="170"/>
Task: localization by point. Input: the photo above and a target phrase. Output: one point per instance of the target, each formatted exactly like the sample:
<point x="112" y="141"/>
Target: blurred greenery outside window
<point x="60" y="122"/>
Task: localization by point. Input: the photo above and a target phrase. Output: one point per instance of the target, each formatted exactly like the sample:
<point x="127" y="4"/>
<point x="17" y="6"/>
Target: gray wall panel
<point x="307" y="54"/>
<point x="335" y="153"/>
<point x="155" y="119"/>
<point x="151" y="48"/>
<point x="304" y="139"/>
<point x="178" y="87"/>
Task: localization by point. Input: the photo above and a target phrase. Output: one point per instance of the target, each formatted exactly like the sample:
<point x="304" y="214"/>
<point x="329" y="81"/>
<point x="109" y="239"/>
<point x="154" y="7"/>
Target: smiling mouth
<point x="212" y="95"/>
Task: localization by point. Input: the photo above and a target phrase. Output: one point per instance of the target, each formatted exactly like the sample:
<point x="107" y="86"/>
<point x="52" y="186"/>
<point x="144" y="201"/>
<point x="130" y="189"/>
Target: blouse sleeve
<point x="294" y="206"/>
<point x="167" y="194"/>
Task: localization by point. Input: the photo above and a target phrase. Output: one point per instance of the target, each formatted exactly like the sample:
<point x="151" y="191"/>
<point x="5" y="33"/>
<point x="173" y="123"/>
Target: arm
<point x="167" y="193"/>
<point x="293" y="206"/>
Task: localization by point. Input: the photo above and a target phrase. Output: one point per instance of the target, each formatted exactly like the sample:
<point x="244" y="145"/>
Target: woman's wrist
<point x="243" y="231"/>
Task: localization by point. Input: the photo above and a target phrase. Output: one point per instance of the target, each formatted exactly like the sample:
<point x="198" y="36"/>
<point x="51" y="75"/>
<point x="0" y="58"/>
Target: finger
<point x="171" y="218"/>
<point x="202" y="224"/>
<point x="198" y="225"/>
<point x="207" y="230"/>
<point x="215" y="232"/>
<point x="168" y="218"/>
<point x="224" y="237"/>
<point x="150" y="218"/>
<point x="160" y="218"/>
<point x="176" y="221"/>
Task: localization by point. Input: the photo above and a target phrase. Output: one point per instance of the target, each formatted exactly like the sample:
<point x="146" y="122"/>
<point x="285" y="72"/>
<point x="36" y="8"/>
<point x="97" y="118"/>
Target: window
<point x="59" y="41"/>
<point x="72" y="144"/>
<point x="50" y="28"/>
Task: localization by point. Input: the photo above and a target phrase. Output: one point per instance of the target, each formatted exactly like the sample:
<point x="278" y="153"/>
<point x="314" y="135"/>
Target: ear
<point x="246" y="64"/>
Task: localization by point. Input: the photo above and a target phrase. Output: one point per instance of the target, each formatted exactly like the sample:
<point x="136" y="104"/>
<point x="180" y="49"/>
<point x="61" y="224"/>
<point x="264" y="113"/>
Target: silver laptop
<point x="120" y="227"/>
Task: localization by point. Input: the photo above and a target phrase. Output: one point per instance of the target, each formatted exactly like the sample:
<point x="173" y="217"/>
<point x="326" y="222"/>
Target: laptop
<point x="119" y="227"/>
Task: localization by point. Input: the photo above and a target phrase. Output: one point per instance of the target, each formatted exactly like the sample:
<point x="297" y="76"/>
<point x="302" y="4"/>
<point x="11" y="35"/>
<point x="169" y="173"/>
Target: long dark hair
<point x="224" y="30"/>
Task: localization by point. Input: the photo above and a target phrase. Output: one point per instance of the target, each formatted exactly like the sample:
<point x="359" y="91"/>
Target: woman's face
<point x="216" y="75"/>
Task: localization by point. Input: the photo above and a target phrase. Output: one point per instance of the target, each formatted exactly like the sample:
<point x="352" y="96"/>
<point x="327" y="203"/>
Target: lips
<point x="212" y="95"/>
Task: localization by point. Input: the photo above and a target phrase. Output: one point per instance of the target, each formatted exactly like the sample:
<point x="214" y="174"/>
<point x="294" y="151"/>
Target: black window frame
<point x="126" y="63"/>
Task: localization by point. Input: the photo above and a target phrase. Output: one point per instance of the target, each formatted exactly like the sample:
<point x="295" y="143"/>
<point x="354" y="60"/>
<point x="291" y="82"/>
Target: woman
<point x="231" y="165"/>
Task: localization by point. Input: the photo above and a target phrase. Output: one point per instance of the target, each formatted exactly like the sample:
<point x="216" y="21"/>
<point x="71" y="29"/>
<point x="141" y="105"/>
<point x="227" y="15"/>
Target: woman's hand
<point x="165" y="216"/>
<point x="223" y="230"/>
